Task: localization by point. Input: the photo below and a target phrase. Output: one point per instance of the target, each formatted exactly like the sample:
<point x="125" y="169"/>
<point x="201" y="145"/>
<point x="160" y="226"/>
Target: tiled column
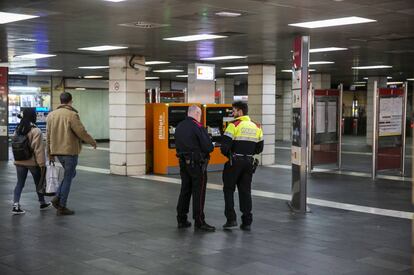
<point x="262" y="101"/>
<point x="382" y="82"/>
<point x="126" y="116"/>
<point x="283" y="110"/>
<point x="321" y="81"/>
<point x="226" y="86"/>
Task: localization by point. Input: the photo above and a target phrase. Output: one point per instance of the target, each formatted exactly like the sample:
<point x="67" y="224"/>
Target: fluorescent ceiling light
<point x="103" y="48"/>
<point x="25" y="39"/>
<point x="366" y="78"/>
<point x="238" y="73"/>
<point x="197" y="37"/>
<point x="329" y="49"/>
<point x="93" y="67"/>
<point x="235" y="68"/>
<point x="410" y="79"/>
<point x="80" y="89"/>
<point x="7" y="17"/>
<point x="116" y="1"/>
<point x="228" y="14"/>
<point x="182" y="75"/>
<point x="359" y="85"/>
<point x="389" y="77"/>
<point x="32" y="56"/>
<point x="156" y="62"/>
<point x="92" y="76"/>
<point x="168" y="71"/>
<point x="371" y="67"/>
<point x="333" y="22"/>
<point x="226" y="57"/>
<point x="321" y="62"/>
<point x="48" y="70"/>
<point x="395" y="83"/>
<point x="151" y="77"/>
<point x="360" y="82"/>
<point x="290" y="71"/>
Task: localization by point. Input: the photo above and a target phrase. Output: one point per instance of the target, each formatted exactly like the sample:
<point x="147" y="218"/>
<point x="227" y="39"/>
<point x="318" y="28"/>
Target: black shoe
<point x="230" y="225"/>
<point x="245" y="227"/>
<point x="63" y="211"/>
<point x="17" y="210"/>
<point x="185" y="224"/>
<point x="45" y="206"/>
<point x="55" y="202"/>
<point x="204" y="227"/>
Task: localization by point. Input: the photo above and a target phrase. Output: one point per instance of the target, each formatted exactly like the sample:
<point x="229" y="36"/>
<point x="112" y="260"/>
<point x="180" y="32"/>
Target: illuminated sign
<point x="205" y="72"/>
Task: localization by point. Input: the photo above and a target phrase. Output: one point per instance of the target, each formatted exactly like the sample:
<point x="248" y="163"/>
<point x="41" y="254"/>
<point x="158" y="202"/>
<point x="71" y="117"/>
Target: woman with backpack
<point x="29" y="156"/>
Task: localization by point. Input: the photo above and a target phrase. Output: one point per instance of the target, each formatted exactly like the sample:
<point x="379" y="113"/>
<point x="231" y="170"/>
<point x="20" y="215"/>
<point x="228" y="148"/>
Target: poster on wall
<point x="332" y="118"/>
<point x="320" y="117"/>
<point x="390" y="116"/>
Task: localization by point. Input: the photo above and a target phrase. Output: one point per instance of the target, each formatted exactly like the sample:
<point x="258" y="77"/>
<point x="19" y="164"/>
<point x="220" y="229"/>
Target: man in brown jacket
<point x="65" y="133"/>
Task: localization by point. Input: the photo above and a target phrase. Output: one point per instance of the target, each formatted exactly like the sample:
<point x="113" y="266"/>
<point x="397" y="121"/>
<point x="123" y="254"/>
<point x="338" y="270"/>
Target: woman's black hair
<point x="27" y="121"/>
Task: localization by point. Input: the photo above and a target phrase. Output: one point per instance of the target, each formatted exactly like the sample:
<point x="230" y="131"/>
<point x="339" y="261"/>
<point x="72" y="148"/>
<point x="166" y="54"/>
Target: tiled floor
<point x="127" y="226"/>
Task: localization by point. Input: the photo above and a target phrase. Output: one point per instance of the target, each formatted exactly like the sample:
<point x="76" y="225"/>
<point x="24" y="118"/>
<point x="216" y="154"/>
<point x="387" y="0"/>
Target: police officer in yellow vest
<point x="242" y="140"/>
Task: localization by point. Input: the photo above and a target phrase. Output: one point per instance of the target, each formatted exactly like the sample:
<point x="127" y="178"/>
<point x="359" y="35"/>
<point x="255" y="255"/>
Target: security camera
<point x="140" y="67"/>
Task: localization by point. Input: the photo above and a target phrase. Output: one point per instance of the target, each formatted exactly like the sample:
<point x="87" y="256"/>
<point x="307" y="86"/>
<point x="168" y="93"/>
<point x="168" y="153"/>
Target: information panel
<point x="4" y="150"/>
<point x="390" y="112"/>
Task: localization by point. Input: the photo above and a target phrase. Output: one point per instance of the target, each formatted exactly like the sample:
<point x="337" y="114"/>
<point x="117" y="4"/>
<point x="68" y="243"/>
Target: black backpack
<point x="21" y="147"/>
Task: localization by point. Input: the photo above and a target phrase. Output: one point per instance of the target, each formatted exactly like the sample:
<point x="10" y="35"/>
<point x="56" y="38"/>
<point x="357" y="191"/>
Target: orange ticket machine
<point x="166" y="117"/>
<point x="215" y="119"/>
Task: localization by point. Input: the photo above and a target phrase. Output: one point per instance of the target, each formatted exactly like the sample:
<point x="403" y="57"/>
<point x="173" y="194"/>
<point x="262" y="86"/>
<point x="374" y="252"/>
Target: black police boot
<point x="245" y="227"/>
<point x="184" y="224"/>
<point x="204" y="227"/>
<point x="230" y="225"/>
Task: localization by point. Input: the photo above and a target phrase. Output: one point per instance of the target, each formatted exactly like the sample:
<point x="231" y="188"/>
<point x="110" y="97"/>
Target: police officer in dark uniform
<point x="242" y="140"/>
<point x="193" y="146"/>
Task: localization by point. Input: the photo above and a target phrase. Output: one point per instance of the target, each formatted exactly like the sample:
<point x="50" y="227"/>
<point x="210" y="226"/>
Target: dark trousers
<point x="239" y="174"/>
<point x="193" y="183"/>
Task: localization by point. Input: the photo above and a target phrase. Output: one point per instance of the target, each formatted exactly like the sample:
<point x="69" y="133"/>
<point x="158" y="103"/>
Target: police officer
<point x="193" y="146"/>
<point x="242" y="139"/>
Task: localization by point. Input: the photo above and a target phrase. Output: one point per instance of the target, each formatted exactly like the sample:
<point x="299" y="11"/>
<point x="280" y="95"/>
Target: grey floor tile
<point x="384" y="264"/>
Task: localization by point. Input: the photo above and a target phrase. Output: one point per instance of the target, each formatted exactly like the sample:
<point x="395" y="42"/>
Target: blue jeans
<point x="22" y="172"/>
<point x="69" y="164"/>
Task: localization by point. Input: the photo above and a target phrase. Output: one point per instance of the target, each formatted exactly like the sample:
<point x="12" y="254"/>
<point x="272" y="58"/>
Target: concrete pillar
<point x="126" y="116"/>
<point x="262" y="102"/>
<point x="283" y="110"/>
<point x="321" y="81"/>
<point x="382" y="82"/>
<point x="165" y="85"/>
<point x="201" y="85"/>
<point x="226" y="87"/>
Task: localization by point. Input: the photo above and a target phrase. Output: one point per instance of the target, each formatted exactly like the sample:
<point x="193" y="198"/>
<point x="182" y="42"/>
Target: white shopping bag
<point x="54" y="177"/>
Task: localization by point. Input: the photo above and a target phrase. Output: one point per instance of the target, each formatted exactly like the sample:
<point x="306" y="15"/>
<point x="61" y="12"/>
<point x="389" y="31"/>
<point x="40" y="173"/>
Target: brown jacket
<point x="65" y="132"/>
<point x="36" y="143"/>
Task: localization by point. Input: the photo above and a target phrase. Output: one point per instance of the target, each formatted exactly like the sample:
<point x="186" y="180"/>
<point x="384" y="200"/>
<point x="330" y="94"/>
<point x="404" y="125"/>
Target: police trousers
<point x="238" y="174"/>
<point x="193" y="184"/>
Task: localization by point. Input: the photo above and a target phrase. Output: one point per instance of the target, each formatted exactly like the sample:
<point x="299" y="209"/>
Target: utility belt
<point x="193" y="158"/>
<point x="249" y="158"/>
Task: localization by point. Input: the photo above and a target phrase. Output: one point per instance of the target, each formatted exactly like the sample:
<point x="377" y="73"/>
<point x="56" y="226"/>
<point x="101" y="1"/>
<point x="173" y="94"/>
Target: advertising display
<point x="4" y="144"/>
<point x="204" y="72"/>
<point x="390" y="112"/>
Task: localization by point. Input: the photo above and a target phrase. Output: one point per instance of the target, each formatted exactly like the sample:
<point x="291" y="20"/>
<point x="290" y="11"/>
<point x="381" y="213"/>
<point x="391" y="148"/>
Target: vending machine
<point x="166" y="117"/>
<point x="216" y="118"/>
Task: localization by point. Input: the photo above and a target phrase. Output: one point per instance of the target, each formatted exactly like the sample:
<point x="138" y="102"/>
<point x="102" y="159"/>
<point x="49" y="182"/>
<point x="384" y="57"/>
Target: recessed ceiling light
<point x="395" y="83"/>
<point x="48" y="70"/>
<point x="151" y="77"/>
<point x="290" y="71"/>
<point x="228" y="14"/>
<point x="102" y="48"/>
<point x="328" y="49"/>
<point x="226" y="57"/>
<point x="372" y="67"/>
<point x="333" y="22"/>
<point x="182" y="75"/>
<point x="168" y="71"/>
<point x="93" y="67"/>
<point x="32" y="56"/>
<point x="92" y="76"/>
<point x="235" y="68"/>
<point x="197" y="37"/>
<point x="156" y="62"/>
<point x="238" y="73"/>
<point x="321" y="62"/>
<point x="7" y="17"/>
